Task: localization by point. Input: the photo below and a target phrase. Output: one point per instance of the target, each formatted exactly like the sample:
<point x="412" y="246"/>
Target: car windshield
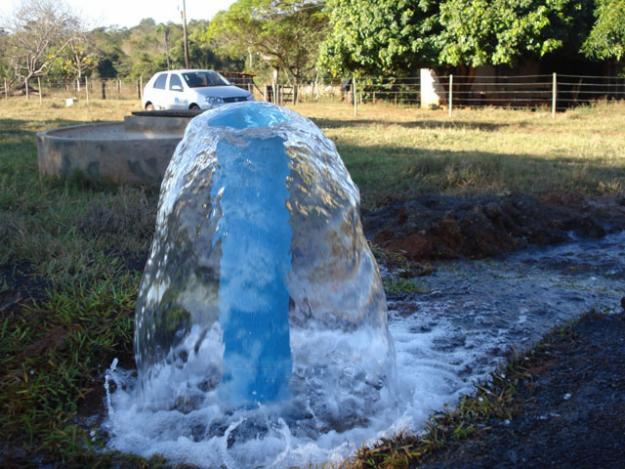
<point x="204" y="78"/>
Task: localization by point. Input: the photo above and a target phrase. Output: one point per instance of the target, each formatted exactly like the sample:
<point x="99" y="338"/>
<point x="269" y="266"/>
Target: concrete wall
<point x="136" y="152"/>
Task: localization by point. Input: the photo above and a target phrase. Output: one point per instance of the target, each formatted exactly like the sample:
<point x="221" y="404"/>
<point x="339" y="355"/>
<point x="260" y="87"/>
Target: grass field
<point x="72" y="253"/>
<point x="393" y="153"/>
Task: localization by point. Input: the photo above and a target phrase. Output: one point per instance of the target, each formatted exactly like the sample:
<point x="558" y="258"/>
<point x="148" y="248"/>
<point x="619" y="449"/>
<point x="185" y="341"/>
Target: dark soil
<point x="570" y="412"/>
<point x="22" y="286"/>
<point x="448" y="227"/>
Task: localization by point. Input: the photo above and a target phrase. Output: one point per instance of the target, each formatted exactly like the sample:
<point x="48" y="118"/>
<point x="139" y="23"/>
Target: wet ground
<point x="468" y="313"/>
<point x="450" y="332"/>
<point x="457" y="328"/>
<point x="570" y="412"/>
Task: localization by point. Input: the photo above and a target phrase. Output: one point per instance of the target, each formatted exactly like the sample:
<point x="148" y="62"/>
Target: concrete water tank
<point x="135" y="151"/>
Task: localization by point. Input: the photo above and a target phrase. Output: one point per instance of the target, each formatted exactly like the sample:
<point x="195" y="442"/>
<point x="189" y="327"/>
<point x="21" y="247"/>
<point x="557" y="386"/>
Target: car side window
<point x="159" y="84"/>
<point x="174" y="80"/>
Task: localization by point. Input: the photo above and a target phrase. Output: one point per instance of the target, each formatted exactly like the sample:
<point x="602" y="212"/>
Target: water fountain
<point x="261" y="291"/>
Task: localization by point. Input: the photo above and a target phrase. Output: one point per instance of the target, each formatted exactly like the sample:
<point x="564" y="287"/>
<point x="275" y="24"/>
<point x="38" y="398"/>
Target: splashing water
<point x="261" y="315"/>
<point x="447" y="337"/>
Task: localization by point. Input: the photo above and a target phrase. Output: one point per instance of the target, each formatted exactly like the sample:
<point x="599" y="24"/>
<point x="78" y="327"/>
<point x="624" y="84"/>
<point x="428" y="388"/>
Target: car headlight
<point x="214" y="101"/>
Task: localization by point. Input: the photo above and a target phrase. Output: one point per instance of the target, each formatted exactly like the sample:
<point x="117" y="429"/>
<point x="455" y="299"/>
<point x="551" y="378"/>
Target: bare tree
<point x="39" y="31"/>
<point x="80" y="54"/>
<point x="165" y="30"/>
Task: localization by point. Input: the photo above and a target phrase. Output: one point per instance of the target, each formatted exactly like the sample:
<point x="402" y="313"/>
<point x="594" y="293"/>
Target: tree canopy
<point x="607" y="37"/>
<point x="283" y="35"/>
<point x="386" y="36"/>
<point x="39" y="32"/>
<point x="398" y="36"/>
<point x="498" y="32"/>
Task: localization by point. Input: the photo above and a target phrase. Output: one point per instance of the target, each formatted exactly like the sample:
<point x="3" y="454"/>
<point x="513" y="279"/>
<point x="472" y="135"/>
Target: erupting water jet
<point x="258" y="258"/>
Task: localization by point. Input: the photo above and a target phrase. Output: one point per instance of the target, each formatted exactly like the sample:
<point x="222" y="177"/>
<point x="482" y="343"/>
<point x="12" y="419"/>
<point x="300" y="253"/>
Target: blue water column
<point x="254" y="237"/>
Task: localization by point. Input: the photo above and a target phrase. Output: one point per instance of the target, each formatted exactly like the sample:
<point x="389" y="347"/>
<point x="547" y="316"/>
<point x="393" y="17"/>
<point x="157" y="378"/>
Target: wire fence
<point x="400" y="91"/>
<point x="81" y="89"/>
<point x="86" y="89"/>
<point x="556" y="92"/>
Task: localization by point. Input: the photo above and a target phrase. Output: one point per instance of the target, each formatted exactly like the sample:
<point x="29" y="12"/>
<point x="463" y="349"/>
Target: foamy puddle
<point x="446" y="340"/>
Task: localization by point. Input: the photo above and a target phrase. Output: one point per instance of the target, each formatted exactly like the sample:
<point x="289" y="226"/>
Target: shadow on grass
<point x="397" y="172"/>
<point x="326" y="123"/>
<point x="13" y="127"/>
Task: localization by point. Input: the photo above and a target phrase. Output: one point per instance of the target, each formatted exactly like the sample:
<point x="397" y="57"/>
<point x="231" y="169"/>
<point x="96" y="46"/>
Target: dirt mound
<point x="448" y="227"/>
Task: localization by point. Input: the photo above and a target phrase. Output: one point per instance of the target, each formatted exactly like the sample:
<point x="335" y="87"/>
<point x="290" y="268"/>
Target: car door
<point x="176" y="96"/>
<point x="159" y="92"/>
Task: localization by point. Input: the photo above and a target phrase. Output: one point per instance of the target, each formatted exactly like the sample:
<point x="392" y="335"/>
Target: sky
<point x="130" y="12"/>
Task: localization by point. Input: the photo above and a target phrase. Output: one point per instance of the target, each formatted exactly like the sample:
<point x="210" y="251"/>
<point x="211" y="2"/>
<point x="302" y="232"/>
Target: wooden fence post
<point x="451" y="94"/>
<point x="40" y="91"/>
<point x="26" y="88"/>
<point x="119" y="88"/>
<point x="554" y="95"/>
<point x="103" y="84"/>
<point x="6" y="90"/>
<point x="355" y="95"/>
<point x="87" y="90"/>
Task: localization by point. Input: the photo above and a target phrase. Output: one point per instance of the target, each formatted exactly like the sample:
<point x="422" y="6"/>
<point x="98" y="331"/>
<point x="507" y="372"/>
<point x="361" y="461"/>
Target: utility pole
<point x="184" y="33"/>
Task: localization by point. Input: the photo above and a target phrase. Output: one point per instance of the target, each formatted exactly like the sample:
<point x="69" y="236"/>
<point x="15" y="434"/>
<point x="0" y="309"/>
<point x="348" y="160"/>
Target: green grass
<point x="397" y="286"/>
<point x="78" y="250"/>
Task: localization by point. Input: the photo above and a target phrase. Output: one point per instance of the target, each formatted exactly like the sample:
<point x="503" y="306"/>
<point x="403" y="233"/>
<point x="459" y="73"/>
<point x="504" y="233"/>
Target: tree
<point x="386" y="36"/>
<point x="284" y="34"/>
<point x="40" y="31"/>
<point x="4" y="58"/>
<point x="498" y="32"/>
<point x="143" y="49"/>
<point x="77" y="59"/>
<point x="607" y="37"/>
<point x="165" y="30"/>
<point x="107" y="43"/>
<point x="201" y="53"/>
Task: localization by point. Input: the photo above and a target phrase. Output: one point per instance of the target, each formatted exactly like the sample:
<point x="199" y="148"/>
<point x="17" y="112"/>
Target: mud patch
<point x="447" y="227"/>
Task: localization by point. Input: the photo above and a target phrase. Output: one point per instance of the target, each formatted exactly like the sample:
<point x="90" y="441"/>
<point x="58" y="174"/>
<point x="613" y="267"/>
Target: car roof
<point x="185" y="70"/>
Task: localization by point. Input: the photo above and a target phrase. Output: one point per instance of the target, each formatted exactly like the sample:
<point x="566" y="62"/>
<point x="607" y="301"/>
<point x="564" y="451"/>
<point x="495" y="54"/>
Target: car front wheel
<point x="194" y="107"/>
<point x="149" y="107"/>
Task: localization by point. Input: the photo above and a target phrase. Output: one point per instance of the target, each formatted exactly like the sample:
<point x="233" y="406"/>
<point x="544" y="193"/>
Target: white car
<point x="191" y="90"/>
